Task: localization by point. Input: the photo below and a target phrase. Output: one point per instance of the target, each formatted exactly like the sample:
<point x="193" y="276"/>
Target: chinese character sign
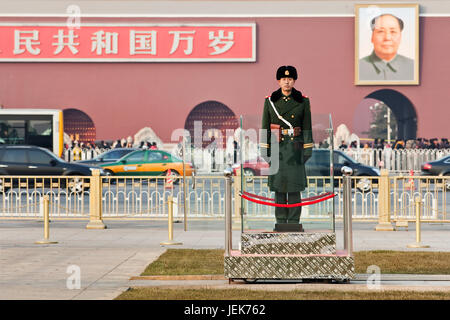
<point x="146" y="43"/>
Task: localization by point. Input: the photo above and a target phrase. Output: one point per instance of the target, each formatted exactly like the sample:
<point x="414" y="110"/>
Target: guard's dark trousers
<point x="288" y="215"/>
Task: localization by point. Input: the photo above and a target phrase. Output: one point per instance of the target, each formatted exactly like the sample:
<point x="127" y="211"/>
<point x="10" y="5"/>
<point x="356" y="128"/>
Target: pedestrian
<point x="129" y="143"/>
<point x="410" y="144"/>
<point x="104" y="145"/>
<point x="116" y="144"/>
<point x="379" y="143"/>
<point x="435" y="144"/>
<point x="76" y="151"/>
<point x="399" y="144"/>
<point x="287" y="114"/>
<point x="343" y="145"/>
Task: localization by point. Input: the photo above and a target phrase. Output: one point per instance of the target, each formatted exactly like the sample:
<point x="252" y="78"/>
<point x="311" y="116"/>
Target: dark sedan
<point x="22" y="160"/>
<point x="440" y="167"/>
<point x="112" y="155"/>
<point x="318" y="165"/>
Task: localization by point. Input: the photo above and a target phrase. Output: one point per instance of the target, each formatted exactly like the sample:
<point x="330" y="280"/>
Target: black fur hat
<point x="286" y="72"/>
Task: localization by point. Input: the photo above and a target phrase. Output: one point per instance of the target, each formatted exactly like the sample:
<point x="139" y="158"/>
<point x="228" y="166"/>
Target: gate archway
<point x="403" y="110"/>
<point x="79" y="126"/>
<point x="215" y="119"/>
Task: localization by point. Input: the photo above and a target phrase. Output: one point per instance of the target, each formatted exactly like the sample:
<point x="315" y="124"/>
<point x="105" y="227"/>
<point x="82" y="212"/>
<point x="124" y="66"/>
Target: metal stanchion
<point x="228" y="221"/>
<point x="418" y="206"/>
<point x="183" y="150"/>
<point x="170" y="241"/>
<point x="347" y="186"/>
<point x="46" y="239"/>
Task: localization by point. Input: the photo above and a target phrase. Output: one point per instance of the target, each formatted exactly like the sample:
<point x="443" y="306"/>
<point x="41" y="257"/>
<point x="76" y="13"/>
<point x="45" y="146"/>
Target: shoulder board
<point x="305" y="96"/>
<point x="267" y="97"/>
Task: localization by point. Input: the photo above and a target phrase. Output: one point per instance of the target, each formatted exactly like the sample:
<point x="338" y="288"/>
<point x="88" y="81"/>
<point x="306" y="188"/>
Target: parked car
<point x="112" y="155"/>
<point x="20" y="160"/>
<point x="318" y="165"/>
<point x="440" y="167"/>
<point x="148" y="163"/>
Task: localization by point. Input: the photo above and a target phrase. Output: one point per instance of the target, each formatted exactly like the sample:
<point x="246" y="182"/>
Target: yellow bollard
<point x="46" y="239"/>
<point x="384" y="203"/>
<point x="418" y="204"/>
<point x="170" y="241"/>
<point x="95" y="199"/>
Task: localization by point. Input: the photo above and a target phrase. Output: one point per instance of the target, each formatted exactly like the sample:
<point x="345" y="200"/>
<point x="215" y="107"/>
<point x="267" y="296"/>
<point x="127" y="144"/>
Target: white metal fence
<point x="139" y="197"/>
<point x="210" y="160"/>
<point x="396" y="160"/>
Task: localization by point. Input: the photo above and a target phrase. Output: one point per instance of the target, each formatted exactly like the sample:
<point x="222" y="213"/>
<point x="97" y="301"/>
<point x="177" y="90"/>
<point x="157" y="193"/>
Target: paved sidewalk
<point x="107" y="259"/>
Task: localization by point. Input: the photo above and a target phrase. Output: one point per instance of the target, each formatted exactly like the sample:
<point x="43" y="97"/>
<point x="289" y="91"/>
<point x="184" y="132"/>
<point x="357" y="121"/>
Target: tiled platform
<point x="288" y="243"/>
<point x="289" y="256"/>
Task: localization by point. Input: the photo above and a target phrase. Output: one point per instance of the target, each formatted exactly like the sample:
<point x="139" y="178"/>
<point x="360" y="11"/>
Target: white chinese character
<point x="105" y="40"/>
<point x="142" y="42"/>
<point x="221" y="39"/>
<point x="28" y="39"/>
<point x="70" y="42"/>
<point x="176" y="41"/>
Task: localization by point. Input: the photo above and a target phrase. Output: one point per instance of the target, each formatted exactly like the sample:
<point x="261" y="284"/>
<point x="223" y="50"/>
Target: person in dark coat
<point x="287" y="115"/>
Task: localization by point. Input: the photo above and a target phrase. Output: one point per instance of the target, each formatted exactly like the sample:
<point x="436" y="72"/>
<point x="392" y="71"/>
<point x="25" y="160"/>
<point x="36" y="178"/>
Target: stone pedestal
<point x="289" y="256"/>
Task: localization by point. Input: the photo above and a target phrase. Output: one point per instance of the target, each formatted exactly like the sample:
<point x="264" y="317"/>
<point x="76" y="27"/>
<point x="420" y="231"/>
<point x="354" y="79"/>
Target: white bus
<point x="37" y="127"/>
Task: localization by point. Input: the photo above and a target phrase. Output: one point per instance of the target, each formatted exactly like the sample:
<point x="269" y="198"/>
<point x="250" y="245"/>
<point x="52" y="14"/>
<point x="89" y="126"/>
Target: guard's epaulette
<point x="267" y="97"/>
<point x="304" y="96"/>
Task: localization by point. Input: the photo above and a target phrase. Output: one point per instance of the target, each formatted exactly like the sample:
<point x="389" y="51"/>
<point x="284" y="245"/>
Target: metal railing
<point x="141" y="197"/>
<point x="434" y="191"/>
<point x="396" y="160"/>
<point x="210" y="160"/>
<point x="21" y="197"/>
<point x="373" y="198"/>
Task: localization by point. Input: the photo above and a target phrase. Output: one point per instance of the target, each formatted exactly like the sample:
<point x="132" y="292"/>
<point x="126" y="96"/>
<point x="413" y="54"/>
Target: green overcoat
<point x="293" y="151"/>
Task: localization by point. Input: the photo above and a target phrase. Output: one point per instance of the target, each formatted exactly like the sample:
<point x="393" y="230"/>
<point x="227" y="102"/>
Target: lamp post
<point x="388" y="120"/>
<point x="379" y="106"/>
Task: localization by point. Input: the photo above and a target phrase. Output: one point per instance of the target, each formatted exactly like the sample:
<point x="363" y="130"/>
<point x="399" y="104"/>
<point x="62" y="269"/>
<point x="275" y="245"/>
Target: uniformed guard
<point x="287" y="115"/>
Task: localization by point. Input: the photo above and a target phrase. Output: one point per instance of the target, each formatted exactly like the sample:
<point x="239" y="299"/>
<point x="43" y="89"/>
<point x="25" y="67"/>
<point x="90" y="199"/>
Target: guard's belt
<point x="291" y="132"/>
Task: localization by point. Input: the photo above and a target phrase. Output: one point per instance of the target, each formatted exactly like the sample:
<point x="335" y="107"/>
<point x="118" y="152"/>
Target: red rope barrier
<point x="248" y="194"/>
<point x="303" y="203"/>
<point x="256" y="196"/>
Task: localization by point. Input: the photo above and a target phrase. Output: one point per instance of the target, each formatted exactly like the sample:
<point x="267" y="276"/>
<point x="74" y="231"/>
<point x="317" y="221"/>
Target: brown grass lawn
<point x="187" y="261"/>
<point x="210" y="262"/>
<point x="404" y="262"/>
<point x="243" y="294"/>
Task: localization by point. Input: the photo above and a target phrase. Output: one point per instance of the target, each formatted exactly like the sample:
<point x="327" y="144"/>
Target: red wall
<point x="121" y="98"/>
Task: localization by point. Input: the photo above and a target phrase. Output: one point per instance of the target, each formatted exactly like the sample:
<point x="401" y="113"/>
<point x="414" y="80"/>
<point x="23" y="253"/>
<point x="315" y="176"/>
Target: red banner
<point x="128" y="43"/>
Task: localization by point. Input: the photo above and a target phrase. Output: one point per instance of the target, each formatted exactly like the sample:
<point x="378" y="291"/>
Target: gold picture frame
<point x="386" y="44"/>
